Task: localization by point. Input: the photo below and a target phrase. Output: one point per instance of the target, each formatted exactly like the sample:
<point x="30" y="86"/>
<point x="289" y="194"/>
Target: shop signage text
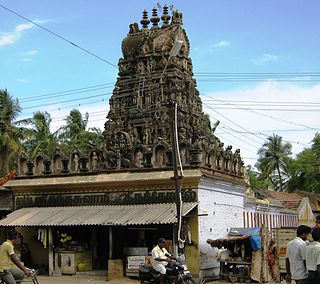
<point x="124" y="198"/>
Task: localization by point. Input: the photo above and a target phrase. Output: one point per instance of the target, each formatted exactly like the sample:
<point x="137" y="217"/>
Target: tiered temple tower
<point x="137" y="133"/>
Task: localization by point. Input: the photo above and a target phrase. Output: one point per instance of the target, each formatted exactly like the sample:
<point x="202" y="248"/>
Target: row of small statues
<point x="141" y="157"/>
<point x="59" y="164"/>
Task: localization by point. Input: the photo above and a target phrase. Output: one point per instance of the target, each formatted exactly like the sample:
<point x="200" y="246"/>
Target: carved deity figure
<point x="183" y="155"/>
<point x="227" y="158"/>
<point x="236" y="161"/>
<point x="94" y="161"/>
<point x="75" y="162"/>
<point x="146" y="134"/>
<point x="140" y="68"/>
<point x="57" y="164"/>
<point x="139" y="99"/>
<point x="159" y="156"/>
<point x="133" y="28"/>
<point x="164" y="118"/>
<point x="139" y="159"/>
<point x="131" y="133"/>
<point x="219" y="156"/>
<point x="151" y="65"/>
<point x="39" y="166"/>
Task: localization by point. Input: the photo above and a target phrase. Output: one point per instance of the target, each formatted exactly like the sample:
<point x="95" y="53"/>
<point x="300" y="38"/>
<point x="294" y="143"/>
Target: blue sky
<point x="246" y="48"/>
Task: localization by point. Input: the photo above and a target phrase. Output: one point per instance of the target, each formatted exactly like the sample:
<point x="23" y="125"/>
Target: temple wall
<point x="221" y="206"/>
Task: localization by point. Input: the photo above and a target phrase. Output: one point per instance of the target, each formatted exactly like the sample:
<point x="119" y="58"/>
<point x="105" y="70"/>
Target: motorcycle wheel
<point x="186" y="281"/>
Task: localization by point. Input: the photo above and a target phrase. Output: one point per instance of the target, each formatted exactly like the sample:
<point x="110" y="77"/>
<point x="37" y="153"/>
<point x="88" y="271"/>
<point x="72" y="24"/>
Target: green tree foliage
<point x="305" y="169"/>
<point x="10" y="134"/>
<point x="37" y="134"/>
<point x="255" y="181"/>
<point x="74" y="135"/>
<point x="33" y="134"/>
<point x="273" y="161"/>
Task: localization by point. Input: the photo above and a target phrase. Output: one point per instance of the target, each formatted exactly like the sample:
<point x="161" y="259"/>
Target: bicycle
<point x="32" y="279"/>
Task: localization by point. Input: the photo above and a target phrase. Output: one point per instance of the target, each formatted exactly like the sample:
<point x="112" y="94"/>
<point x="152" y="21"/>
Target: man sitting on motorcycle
<point x="160" y="258"/>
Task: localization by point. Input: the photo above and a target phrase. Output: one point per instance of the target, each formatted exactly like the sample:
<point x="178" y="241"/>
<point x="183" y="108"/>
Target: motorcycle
<point x="176" y="272"/>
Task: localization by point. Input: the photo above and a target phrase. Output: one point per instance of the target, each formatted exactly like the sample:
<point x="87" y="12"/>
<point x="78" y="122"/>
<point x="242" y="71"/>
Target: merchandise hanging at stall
<point x="243" y="255"/>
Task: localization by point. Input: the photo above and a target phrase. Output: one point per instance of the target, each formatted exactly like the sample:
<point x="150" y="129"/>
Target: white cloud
<point x="222" y="44"/>
<point x="238" y="119"/>
<point x="7" y="39"/>
<point x="11" y="37"/>
<point x="23" y="81"/>
<point x="28" y="55"/>
<point x="30" y="52"/>
<point x="266" y="57"/>
<point x="23" y="27"/>
<point x="212" y="47"/>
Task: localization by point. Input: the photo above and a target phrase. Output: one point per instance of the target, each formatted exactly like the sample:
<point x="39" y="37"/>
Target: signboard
<point x="109" y="198"/>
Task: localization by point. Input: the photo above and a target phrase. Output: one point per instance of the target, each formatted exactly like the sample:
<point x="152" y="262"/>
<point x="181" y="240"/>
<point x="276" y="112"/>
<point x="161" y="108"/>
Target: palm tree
<point x="9" y="134"/>
<point x="76" y="135"/>
<point x="38" y="135"/>
<point x="76" y="124"/>
<point x="274" y="157"/>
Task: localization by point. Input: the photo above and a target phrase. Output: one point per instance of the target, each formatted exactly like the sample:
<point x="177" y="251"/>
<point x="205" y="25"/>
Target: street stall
<point x="283" y="235"/>
<point x="244" y="255"/>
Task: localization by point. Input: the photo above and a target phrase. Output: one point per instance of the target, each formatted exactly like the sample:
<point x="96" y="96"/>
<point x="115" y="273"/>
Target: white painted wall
<point x="224" y="204"/>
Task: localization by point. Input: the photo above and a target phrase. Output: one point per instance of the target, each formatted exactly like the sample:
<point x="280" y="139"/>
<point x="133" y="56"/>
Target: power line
<point x="275" y="130"/>
<point x="69" y="107"/>
<point x="235" y="124"/>
<point x="58" y="36"/>
<point x="265" y="115"/>
<point x="68" y="92"/>
<point x="67" y="101"/>
<point x="264" y="102"/>
<point x="270" y="109"/>
<point x="250" y="77"/>
<point x="253" y="133"/>
<point x="244" y="141"/>
<point x="309" y="73"/>
<point x="254" y="81"/>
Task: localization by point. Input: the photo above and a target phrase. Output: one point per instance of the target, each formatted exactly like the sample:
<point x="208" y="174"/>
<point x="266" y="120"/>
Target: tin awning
<point x="108" y="215"/>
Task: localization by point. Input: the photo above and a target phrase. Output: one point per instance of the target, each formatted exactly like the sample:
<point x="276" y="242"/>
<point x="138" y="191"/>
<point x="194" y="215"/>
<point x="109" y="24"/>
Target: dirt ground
<point x="96" y="280"/>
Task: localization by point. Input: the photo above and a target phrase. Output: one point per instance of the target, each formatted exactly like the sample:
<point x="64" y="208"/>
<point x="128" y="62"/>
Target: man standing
<point x="296" y="257"/>
<point x="8" y="258"/>
<point x="160" y="258"/>
<point x="313" y="257"/>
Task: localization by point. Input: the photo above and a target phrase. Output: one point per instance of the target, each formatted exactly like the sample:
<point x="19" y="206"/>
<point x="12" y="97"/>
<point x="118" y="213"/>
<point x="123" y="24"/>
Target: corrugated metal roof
<point x="164" y="213"/>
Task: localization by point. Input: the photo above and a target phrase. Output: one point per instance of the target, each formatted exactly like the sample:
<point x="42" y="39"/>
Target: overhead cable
<point x="58" y="36"/>
<point x="269" y="116"/>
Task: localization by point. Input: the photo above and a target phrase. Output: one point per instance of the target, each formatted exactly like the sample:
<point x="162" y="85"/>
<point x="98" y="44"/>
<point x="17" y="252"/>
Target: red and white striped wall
<point x="270" y="220"/>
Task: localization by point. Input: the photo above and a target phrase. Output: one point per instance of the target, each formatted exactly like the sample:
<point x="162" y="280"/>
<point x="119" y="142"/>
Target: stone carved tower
<point x="137" y="131"/>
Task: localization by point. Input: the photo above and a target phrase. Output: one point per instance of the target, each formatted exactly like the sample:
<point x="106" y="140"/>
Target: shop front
<point x="71" y="233"/>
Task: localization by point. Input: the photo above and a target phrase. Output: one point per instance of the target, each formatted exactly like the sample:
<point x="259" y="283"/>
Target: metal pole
<point x="176" y="177"/>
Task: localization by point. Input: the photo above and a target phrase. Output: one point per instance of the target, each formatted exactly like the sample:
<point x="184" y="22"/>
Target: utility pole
<point x="172" y="106"/>
<point x="176" y="177"/>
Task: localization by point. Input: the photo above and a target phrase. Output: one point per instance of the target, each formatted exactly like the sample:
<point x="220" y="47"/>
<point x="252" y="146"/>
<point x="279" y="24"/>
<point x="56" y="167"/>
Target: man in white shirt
<point x="313" y="257"/>
<point x="160" y="258"/>
<point x="296" y="257"/>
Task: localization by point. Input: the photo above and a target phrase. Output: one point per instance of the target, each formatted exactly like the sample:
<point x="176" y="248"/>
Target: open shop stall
<point x="244" y="255"/>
